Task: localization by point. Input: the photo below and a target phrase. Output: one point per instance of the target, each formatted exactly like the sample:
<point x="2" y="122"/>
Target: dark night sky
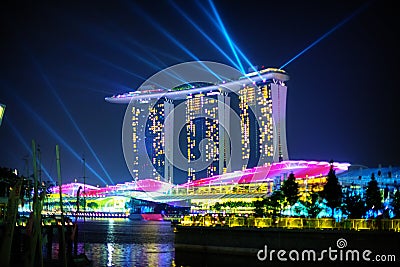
<point x="68" y="55"/>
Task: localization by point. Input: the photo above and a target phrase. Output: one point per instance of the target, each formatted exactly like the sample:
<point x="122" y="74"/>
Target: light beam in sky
<point x="56" y="136"/>
<point x="340" y="24"/>
<point x="77" y="128"/>
<point x="227" y="37"/>
<point x="181" y="12"/>
<point x="28" y="148"/>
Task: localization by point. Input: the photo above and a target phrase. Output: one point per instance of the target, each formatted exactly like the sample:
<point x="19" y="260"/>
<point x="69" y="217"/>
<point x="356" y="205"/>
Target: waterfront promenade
<point x="202" y="241"/>
<point x="215" y="240"/>
<point x="210" y="220"/>
<point x="288" y="242"/>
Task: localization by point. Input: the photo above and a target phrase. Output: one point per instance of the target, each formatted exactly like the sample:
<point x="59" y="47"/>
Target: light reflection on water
<point x="122" y="242"/>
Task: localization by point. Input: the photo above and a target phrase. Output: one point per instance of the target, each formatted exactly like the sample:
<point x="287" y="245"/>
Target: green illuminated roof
<point x="192" y="85"/>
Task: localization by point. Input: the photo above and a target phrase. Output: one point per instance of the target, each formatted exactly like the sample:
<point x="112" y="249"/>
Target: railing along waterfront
<point x="291" y="223"/>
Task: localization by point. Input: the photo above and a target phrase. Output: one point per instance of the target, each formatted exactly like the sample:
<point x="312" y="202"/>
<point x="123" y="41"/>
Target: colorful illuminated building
<point x="238" y="186"/>
<point x="246" y="186"/>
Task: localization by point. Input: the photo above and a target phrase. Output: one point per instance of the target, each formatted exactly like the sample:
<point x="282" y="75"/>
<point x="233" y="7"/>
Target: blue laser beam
<point x="120" y="47"/>
<point x="209" y="39"/>
<point x="225" y="32"/>
<point x="27" y="147"/>
<point x="141" y="13"/>
<point x="56" y="136"/>
<point x="340" y="24"/>
<point x="218" y="26"/>
<point x="122" y="69"/>
<point x="77" y="128"/>
<point x="151" y="50"/>
<point x="151" y="64"/>
<point x="148" y="52"/>
<point x="102" y="82"/>
<point x="106" y="62"/>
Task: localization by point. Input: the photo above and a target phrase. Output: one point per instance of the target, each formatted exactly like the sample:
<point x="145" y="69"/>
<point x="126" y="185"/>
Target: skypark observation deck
<point x="146" y="93"/>
<point x="247" y="185"/>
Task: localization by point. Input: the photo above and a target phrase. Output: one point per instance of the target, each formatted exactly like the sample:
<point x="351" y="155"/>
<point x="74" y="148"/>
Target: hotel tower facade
<point x="257" y="99"/>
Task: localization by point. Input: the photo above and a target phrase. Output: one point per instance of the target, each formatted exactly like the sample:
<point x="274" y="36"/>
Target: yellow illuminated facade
<point x="136" y="129"/>
<point x="255" y="104"/>
<point x="262" y="111"/>
<point x="202" y="125"/>
<point x="154" y="139"/>
<point x="149" y="154"/>
<point x="207" y="121"/>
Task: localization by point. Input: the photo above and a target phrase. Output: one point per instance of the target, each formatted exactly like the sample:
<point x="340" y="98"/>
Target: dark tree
<point x="354" y="206"/>
<point x="290" y="190"/>
<point x="396" y="204"/>
<point x="217" y="206"/>
<point x="373" y="197"/>
<point x="312" y="204"/>
<point x="259" y="208"/>
<point x="273" y="203"/>
<point x="332" y="191"/>
<point x="7" y="179"/>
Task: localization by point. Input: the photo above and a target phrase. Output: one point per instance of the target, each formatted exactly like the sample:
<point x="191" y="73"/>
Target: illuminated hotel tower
<point x="262" y="108"/>
<point x="154" y="138"/>
<point x="207" y="120"/>
<point x="148" y="122"/>
<point x="259" y="98"/>
<point x="168" y="142"/>
<point x="138" y="123"/>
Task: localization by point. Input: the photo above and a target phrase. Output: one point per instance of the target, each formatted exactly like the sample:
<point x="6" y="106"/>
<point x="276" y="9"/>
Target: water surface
<point x="123" y="242"/>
